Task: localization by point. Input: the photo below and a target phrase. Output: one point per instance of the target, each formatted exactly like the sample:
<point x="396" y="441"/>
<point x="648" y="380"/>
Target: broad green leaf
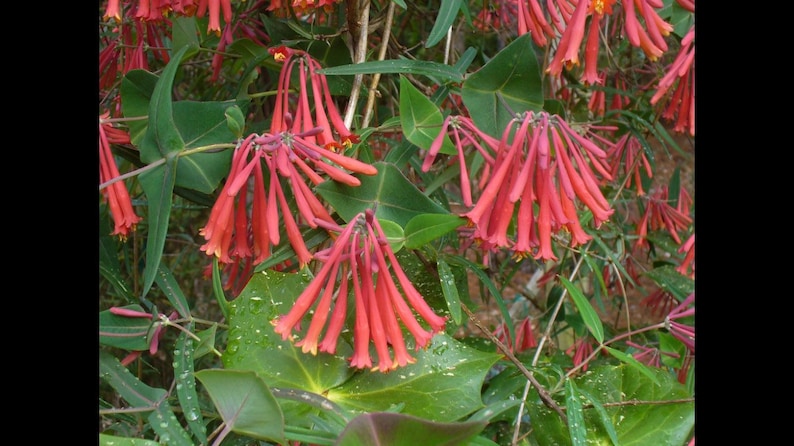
<point x="128" y="333"/>
<point x="679" y="285"/>
<point x="394" y="234"/>
<point x="186" y="383"/>
<point x="170" y="287"/>
<point x="642" y="412"/>
<point x="235" y="120"/>
<point x="447" y="281"/>
<point x="184" y="33"/>
<point x="630" y="361"/>
<point x="207" y="341"/>
<point x="245" y="403"/>
<point x="199" y="124"/>
<point x="446" y="16"/>
<point x="420" y="119"/>
<point x="394" y="197"/>
<point x="444" y="383"/>
<point x="162" y="137"/>
<point x="395" y="429"/>
<point x="573" y="409"/>
<point x="441" y="72"/>
<point x="112" y="440"/>
<point x="253" y="345"/>
<point x="139" y="395"/>
<point x="425" y="228"/>
<point x="508" y="84"/>
<point x="158" y="185"/>
<point x="589" y="315"/>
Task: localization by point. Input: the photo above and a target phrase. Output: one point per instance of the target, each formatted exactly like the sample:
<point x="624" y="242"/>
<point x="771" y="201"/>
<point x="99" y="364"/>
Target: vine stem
<point x="161" y="161"/>
<point x="359" y="56"/>
<point x="543" y="339"/>
<point x="376" y="77"/>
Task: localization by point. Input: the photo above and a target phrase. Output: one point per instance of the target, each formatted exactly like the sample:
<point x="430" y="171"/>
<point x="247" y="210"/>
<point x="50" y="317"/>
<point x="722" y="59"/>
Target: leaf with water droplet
<point x="186" y="385"/>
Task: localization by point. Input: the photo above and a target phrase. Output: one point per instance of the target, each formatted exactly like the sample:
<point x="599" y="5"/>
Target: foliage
<point x="354" y="223"/>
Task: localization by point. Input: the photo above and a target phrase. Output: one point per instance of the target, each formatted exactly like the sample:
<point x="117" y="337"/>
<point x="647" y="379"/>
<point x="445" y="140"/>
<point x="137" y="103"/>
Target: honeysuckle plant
<point x="357" y="222"/>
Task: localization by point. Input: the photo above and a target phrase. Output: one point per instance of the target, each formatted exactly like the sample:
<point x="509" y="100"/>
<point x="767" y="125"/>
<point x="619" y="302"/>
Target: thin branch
<point x="373" y="88"/>
<point x="359" y="56"/>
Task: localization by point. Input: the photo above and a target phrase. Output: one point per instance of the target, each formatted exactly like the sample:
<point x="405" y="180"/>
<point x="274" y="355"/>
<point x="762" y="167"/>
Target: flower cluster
<point x="544" y="168"/>
<point x="661" y="214"/>
<point x="361" y="260"/>
<point x="295" y="152"/>
<point x="627" y="153"/>
<point x="681" y="105"/>
<point x="116" y="193"/>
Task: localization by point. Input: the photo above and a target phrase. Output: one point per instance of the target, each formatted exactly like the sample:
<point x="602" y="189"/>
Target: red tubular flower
<point x="682" y="332"/>
<point x="628" y="153"/>
<point x="366" y="262"/>
<point x="118" y="198"/>
<point x="660" y="214"/>
<point x="525" y="338"/>
<point x="682" y="102"/>
<point x="545" y="160"/>
<point x="581" y="350"/>
<point x="113" y="10"/>
<point x="568" y="48"/>
<point x="687" y="266"/>
<point x="651" y="41"/>
<point x="215" y="7"/>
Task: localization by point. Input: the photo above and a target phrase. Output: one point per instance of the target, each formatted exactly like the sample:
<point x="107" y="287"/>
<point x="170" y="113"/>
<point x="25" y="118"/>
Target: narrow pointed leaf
<point x="245" y="403"/>
<point x="509" y="83"/>
<point x="392" y="195"/>
<point x="170" y="287"/>
<point x="421" y="119"/>
<point x="589" y="315"/>
<point x="630" y="361"/>
<point x="606" y="421"/>
<point x="447" y="280"/>
<point x="162" y="137"/>
<point x="139" y="395"/>
<point x="158" y="185"/>
<point x="112" y="440"/>
<point x="186" y="384"/>
<point x="439" y="71"/>
<point x="425" y="228"/>
<point x="576" y="426"/>
<point x="446" y="16"/>
<point x="395" y="429"/>
<point x="679" y="285"/>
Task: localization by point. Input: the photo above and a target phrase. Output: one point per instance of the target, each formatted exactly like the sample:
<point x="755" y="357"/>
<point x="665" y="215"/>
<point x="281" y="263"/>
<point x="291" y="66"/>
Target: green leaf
<point x="420" y="119"/>
<point x="446" y="16"/>
<point x="245" y="403"/>
<point x="394" y="234"/>
<point x="139" y="395"/>
<point x="136" y="91"/>
<point x="184" y="33"/>
<point x="162" y="138"/>
<point x="573" y="409"/>
<point x="443" y="385"/>
<point x="128" y="333"/>
<point x="394" y="197"/>
<point x="642" y="412"/>
<point x="112" y="440"/>
<point x="186" y="384"/>
<point x="425" y="228"/>
<point x="395" y="429"/>
<point x="253" y="345"/>
<point x="443" y="73"/>
<point x="603" y="415"/>
<point x="679" y="285"/>
<point x="158" y="185"/>
<point x="400" y="3"/>
<point x="207" y="341"/>
<point x="511" y="79"/>
<point x="628" y="359"/>
<point x="589" y="315"/>
<point x="235" y="120"/>
<point x="447" y="280"/>
<point x="170" y="287"/>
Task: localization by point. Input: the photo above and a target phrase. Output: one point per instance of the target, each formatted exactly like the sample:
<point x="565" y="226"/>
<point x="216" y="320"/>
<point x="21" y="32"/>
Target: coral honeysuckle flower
<point x="682" y="332"/>
<point x="545" y="160"/>
<point x="116" y="194"/>
<point x="687" y="266"/>
<point x="215" y="7"/>
<point x="156" y="335"/>
<point x="660" y="214"/>
<point x="629" y="154"/>
<point x="464" y="134"/>
<point x="361" y="260"/>
<point x="651" y="38"/>
<point x="525" y="338"/>
<point x="113" y="11"/>
<point x="532" y="19"/>
<point x="682" y="101"/>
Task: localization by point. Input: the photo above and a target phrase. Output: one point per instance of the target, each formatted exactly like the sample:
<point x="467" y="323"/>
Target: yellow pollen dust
<point x="598" y="6"/>
<point x="280" y="57"/>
